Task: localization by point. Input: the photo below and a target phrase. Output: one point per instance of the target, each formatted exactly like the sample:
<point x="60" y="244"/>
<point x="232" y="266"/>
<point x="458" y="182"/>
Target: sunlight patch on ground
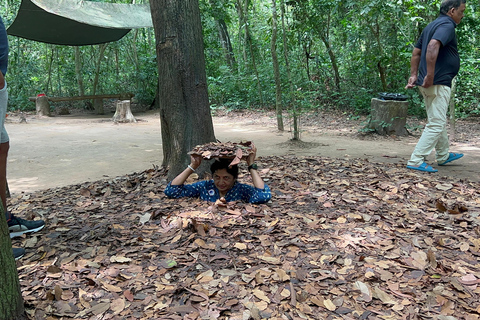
<point x="17" y="185"/>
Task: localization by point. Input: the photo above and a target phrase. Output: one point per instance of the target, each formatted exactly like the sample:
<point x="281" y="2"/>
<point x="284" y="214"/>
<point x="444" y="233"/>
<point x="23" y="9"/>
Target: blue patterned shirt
<point x="206" y="190"/>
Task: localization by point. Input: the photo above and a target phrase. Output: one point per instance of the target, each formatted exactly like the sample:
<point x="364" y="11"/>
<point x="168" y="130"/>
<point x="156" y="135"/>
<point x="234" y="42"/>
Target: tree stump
<point x="42" y="106"/>
<point x="98" y="106"/>
<point x="388" y="117"/>
<point x="123" y="113"/>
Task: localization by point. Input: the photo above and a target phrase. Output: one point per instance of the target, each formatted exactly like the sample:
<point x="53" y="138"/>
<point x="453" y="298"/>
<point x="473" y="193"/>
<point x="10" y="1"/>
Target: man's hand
<point x="412" y="82"/>
<point x="427" y="81"/>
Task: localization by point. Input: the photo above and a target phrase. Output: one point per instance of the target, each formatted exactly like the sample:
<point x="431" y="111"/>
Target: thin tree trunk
<point x="276" y="68"/>
<point x="98" y="104"/>
<point x="333" y="60"/>
<point x="242" y="23"/>
<point x="182" y="96"/>
<point x="11" y="301"/>
<point x="226" y="43"/>
<point x="249" y="44"/>
<point x="101" y="48"/>
<point x="78" y="71"/>
<point x="381" y="69"/>
<point x="291" y="91"/>
<point x="135" y="56"/>
<point x="50" y="64"/>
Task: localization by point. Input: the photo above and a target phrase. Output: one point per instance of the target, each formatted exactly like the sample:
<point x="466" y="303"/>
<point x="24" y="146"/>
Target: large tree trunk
<point x="183" y="97"/>
<point x="11" y="301"/>
<point x="276" y="68"/>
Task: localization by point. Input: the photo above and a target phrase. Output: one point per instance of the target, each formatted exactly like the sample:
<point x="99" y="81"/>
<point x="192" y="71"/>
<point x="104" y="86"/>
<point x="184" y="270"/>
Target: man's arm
<point x="2" y="80"/>
<point x="432" y="53"/>
<point x="414" y="63"/>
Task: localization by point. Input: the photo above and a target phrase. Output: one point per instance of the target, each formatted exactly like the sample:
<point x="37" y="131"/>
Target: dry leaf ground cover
<point x="341" y="239"/>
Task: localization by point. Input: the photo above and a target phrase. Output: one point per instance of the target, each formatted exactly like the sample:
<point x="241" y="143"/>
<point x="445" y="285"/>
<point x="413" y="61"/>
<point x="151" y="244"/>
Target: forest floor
<point x="49" y="152"/>
<point x="350" y="233"/>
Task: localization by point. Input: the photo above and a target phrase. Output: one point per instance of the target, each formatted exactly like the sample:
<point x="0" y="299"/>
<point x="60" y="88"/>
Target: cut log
<point x="42" y="106"/>
<point x="388" y="117"/>
<point x="123" y="113"/>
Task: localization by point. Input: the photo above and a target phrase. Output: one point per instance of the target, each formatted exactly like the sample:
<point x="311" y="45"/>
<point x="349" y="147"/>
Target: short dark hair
<point x="224" y="164"/>
<point x="449" y="4"/>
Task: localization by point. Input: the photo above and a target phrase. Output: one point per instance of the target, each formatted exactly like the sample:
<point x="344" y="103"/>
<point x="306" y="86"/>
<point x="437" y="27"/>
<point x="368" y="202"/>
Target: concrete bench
<point x="42" y="102"/>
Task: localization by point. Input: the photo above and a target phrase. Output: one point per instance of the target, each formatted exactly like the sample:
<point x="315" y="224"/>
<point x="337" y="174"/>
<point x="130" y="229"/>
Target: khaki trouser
<point x="434" y="136"/>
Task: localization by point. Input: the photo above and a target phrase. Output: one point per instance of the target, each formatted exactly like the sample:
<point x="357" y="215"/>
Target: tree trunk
<point x="296" y="130"/>
<point x="381" y="69"/>
<point x="219" y="14"/>
<point x="78" y="71"/>
<point x="183" y="96"/>
<point x="243" y="12"/>
<point x="50" y="65"/>
<point x="333" y="61"/>
<point x="276" y="68"/>
<point x="226" y="44"/>
<point x="11" y="301"/>
<point x="98" y="107"/>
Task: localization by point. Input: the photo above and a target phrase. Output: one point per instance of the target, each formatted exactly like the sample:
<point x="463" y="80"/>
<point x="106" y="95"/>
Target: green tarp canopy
<point x="77" y="22"/>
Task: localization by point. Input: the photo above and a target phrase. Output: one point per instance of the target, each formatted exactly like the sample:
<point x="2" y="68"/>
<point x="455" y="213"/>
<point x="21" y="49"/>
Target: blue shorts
<point x="3" y="112"/>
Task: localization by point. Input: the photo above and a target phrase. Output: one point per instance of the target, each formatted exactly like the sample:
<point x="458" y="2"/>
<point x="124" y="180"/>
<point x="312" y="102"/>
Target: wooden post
<point x="123" y="112"/>
<point x="388" y="117"/>
<point x="42" y="106"/>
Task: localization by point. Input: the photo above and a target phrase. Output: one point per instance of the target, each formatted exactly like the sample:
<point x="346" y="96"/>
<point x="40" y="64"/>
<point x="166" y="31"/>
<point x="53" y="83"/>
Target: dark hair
<point x="223" y="164"/>
<point x="449" y="4"/>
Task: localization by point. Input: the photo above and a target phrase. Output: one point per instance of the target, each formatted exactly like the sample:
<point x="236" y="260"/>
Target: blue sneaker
<point x="19" y="226"/>
<point x="18" y="253"/>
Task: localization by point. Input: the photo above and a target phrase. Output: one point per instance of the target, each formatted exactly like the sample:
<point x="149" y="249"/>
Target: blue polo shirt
<point x="3" y="48"/>
<point x="206" y="190"/>
<point x="448" y="60"/>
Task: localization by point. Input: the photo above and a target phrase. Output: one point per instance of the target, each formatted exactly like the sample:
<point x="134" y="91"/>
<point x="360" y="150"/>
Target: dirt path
<point x="65" y="150"/>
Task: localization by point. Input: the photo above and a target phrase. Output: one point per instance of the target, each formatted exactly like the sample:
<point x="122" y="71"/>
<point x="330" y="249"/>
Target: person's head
<point x="223" y="176"/>
<point x="453" y="9"/>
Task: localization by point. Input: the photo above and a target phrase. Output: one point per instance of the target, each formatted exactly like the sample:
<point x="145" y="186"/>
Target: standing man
<point x="434" y="64"/>
<point x="16" y="226"/>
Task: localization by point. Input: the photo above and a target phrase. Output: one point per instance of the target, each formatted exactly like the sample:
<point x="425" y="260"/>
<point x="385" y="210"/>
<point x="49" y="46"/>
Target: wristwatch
<point x="253" y="166"/>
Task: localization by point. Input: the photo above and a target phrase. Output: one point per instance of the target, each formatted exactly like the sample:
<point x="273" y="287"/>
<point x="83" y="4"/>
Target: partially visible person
<point x="224" y="184"/>
<point x="16" y="226"/>
<point x="434" y="64"/>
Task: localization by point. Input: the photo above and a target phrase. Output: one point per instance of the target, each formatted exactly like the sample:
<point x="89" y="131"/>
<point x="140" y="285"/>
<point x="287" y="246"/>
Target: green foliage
<point x="340" y="54"/>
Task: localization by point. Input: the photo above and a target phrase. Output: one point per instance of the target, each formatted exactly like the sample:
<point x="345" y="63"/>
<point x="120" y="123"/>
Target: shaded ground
<point x="349" y="234"/>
